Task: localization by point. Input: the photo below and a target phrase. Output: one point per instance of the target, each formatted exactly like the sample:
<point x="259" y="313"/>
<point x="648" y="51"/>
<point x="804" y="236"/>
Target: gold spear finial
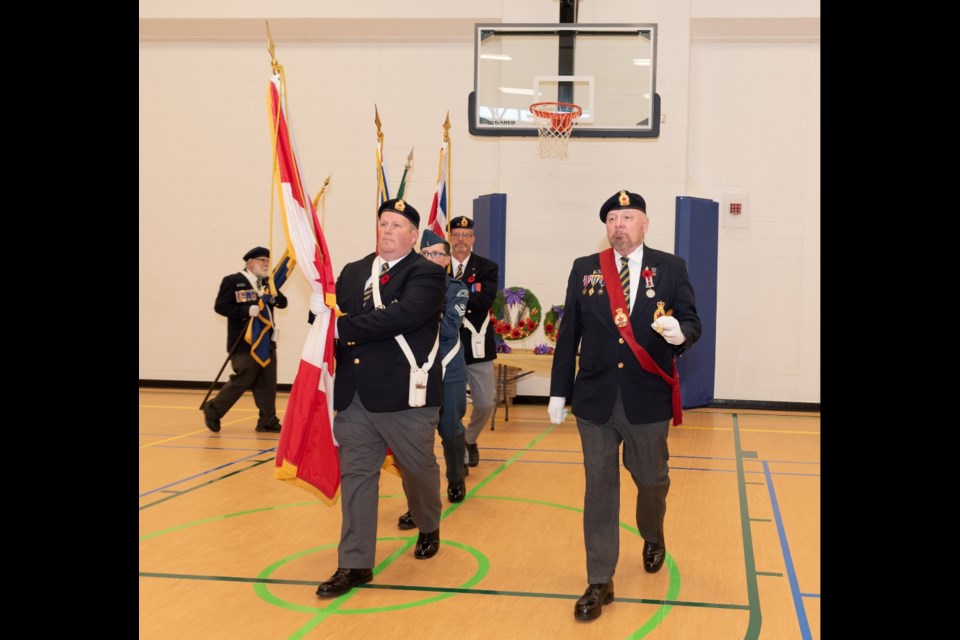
<point x="409" y="159"/>
<point x="270" y="46"/>
<point x="316" y="200"/>
<point x="446" y="128"/>
<point x="377" y="120"/>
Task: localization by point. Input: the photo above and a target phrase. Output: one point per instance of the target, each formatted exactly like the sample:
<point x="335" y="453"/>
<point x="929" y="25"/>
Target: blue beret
<point x="256" y="252"/>
<point x="429" y="239"/>
<point x="402" y="207"/>
<point x="622" y="200"/>
<point x="461" y="222"/>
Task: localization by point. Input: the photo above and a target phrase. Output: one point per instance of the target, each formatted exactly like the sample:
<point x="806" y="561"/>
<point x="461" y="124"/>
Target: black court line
<point x="425" y="589"/>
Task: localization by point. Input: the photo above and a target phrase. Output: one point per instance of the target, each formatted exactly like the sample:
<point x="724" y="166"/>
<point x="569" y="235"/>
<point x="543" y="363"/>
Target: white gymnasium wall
<point x="205" y="163"/>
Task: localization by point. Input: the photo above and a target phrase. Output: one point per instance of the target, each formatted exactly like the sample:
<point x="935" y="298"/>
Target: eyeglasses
<point x="461" y="234"/>
<point x="434" y="254"/>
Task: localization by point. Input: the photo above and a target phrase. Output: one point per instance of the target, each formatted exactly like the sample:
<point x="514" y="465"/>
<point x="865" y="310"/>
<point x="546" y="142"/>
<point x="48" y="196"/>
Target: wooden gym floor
<point x="227" y="551"/>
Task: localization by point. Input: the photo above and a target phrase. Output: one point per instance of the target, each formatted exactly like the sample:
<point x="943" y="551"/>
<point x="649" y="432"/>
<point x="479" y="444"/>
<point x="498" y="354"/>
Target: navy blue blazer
<point x="606" y="361"/>
<point x="238" y="313"/>
<point x="369" y="359"/>
<point x="481" y="276"/>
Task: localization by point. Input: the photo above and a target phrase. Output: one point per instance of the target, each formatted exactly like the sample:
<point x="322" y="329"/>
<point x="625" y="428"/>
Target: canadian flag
<point x="307" y="451"/>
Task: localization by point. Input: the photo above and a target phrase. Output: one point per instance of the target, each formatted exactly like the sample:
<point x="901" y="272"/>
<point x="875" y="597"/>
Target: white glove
<point x="254" y="311"/>
<point x="555" y="409"/>
<point x="669" y="328"/>
<point x="317" y="304"/>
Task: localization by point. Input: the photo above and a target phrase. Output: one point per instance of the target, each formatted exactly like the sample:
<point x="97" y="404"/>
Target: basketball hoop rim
<point x="575" y="112"/>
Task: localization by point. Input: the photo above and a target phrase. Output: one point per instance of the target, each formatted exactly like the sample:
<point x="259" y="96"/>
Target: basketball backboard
<point x="609" y="70"/>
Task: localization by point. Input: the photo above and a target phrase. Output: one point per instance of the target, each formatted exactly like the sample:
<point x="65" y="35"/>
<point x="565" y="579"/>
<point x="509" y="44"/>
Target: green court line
<point x="756" y="483"/>
<point x="761" y="520"/>
<point x="664" y="605"/>
<point x="753" y="590"/>
<point x="775" y="574"/>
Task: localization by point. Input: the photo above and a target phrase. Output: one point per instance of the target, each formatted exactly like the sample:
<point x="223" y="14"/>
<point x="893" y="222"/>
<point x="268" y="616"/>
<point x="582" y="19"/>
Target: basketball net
<point x="554" y="121"/>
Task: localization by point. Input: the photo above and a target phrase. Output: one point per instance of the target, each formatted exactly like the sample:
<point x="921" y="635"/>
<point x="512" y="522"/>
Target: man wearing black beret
<point x="238" y="300"/>
<point x="629" y="311"/>
<point x="388" y="390"/>
<point x="479" y="349"/>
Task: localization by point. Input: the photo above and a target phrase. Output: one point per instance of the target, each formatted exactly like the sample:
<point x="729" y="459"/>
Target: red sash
<point x="611" y="277"/>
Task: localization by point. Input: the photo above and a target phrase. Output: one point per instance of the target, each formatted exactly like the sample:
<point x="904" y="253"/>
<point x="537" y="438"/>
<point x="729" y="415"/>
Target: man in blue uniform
<point x="437" y="250"/>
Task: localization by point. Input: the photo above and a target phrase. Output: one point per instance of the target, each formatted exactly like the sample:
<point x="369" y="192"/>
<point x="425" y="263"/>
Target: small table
<point x="528" y="363"/>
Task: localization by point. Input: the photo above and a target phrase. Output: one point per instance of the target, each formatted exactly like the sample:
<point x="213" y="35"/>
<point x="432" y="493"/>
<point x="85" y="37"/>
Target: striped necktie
<point x="625" y="278"/>
<point x="459" y="272"/>
<point x="368" y="292"/>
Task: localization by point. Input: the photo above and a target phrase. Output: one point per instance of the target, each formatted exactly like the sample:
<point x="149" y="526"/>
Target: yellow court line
<point x="192" y="433"/>
<point x="185" y="435"/>
<point x="173" y="406"/>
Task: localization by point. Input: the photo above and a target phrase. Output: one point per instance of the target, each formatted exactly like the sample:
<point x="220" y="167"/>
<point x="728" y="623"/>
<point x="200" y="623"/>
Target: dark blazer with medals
<point x="606" y="361"/>
<point x="234" y="299"/>
<point x="370" y="362"/>
<point x="481" y="276"/>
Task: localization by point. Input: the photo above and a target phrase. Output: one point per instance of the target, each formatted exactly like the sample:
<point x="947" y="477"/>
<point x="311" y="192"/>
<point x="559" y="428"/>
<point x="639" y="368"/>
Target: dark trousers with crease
<point x="645" y="456"/>
<point x="451" y="428"/>
<point x="363" y="437"/>
<point x="248" y="374"/>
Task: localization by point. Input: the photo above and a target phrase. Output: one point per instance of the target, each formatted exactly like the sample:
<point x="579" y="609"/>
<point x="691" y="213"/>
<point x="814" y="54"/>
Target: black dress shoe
<point x="344" y="580"/>
<point x="210" y="418"/>
<point x="653" y="555"/>
<point x="456" y="491"/>
<point x="589" y="605"/>
<point x="272" y="427"/>
<point x="427" y="545"/>
<point x="406" y="522"/>
<point x="473" y="455"/>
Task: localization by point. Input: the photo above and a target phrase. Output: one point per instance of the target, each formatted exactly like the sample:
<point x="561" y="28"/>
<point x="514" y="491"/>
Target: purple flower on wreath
<point x="558" y="309"/>
<point x="503" y="347"/>
<point x="542" y="350"/>
<point x="514" y="296"/>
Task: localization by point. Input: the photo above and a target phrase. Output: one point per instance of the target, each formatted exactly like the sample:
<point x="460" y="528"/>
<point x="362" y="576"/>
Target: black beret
<point x="461" y="222"/>
<point x="257" y="252"/>
<point x="402" y="207"/>
<point x="622" y="200"/>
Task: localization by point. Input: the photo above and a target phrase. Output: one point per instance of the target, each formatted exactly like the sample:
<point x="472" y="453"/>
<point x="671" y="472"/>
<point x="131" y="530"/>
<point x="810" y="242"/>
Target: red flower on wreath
<point x="384" y="279"/>
<point x="548" y="328"/>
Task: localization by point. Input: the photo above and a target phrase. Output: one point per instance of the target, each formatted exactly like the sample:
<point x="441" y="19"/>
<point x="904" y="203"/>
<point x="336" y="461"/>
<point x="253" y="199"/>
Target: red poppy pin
<point x="471" y="279"/>
<point x="384" y="279"/>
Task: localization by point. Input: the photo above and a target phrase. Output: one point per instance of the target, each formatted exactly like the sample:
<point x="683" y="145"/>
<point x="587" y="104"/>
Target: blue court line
<point x="788" y="560"/>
